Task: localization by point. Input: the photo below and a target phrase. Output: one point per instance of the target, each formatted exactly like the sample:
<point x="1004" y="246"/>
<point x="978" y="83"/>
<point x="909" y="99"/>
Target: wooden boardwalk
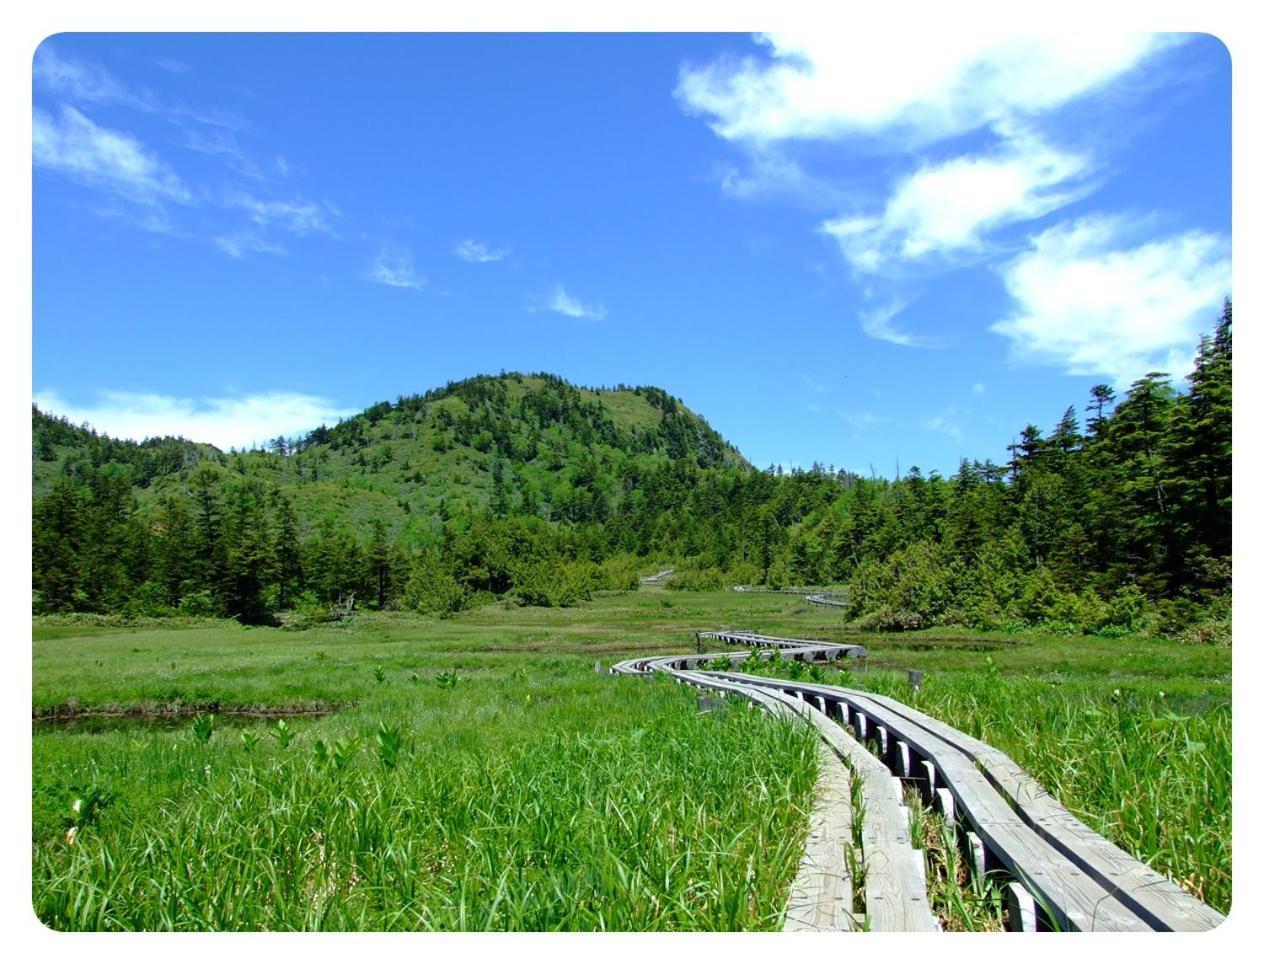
<point x="1057" y="872"/>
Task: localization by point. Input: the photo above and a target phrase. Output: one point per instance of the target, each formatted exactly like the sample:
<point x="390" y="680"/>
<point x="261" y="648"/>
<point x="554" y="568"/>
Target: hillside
<point x="517" y="444"/>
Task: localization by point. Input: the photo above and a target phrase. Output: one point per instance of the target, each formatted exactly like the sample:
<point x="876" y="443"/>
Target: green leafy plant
<point x="203" y="727"/>
<point x="282" y="733"/>
<point x="390" y="744"/>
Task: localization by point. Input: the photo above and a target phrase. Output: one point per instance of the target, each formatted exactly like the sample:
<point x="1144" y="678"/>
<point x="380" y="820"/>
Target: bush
<point x="1126" y="608"/>
<point x="910" y="590"/>
<point x="697" y="580"/>
<point x="197" y="603"/>
<point x="431" y="588"/>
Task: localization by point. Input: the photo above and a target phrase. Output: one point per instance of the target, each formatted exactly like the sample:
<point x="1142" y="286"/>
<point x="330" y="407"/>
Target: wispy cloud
<point x="218" y="141"/>
<point x="860" y="420"/>
<point x="944" y="423"/>
<point x="978" y="388"/>
<point x="477" y="253"/>
<point x="815" y="386"/>
<point x="297" y="215"/>
<point x="72" y="145"/>
<point x="562" y="302"/>
<point x="1091" y="299"/>
<point x="171" y="65"/>
<point x="241" y="243"/>
<point x="225" y="422"/>
<point x="86" y="82"/>
<point x="394" y="267"/>
<point x="877" y="323"/>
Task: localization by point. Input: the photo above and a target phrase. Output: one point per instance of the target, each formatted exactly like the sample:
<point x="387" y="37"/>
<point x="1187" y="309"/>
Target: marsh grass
<point x="680" y="821"/>
<point x="257" y="828"/>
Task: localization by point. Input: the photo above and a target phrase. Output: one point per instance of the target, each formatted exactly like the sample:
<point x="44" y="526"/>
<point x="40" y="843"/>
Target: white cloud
<point x="861" y="419"/>
<point x="171" y="65"/>
<point x="566" y="304"/>
<point x="241" y="243"/>
<point x="73" y="145"/>
<point x="1092" y="302"/>
<point x="945" y="423"/>
<point x="876" y="323"/>
<point x="218" y="141"/>
<point x="84" y="82"/>
<point x="979" y="388"/>
<point x="920" y="87"/>
<point x="945" y="208"/>
<point x="814" y="385"/>
<point x="472" y="251"/>
<point x="298" y="216"/>
<point x="394" y="266"/>
<point x="224" y="422"/>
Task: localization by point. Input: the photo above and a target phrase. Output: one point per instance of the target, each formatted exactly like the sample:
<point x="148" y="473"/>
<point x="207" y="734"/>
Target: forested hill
<point x="1119" y="519"/>
<point x="513" y="444"/>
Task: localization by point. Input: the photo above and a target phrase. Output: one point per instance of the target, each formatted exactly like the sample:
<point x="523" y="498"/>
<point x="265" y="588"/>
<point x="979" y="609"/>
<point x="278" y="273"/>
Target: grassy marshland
<point x="476" y="773"/>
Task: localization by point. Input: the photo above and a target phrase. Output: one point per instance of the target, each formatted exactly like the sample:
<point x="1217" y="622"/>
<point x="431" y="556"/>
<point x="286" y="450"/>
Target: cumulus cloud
<point x="1091" y="300"/>
<point x="927" y="87"/>
<point x="945" y="208"/>
<point x="394" y="267"/>
<point x="224" y="422"/>
<point x="563" y="303"/>
<point x="476" y="253"/>
<point x="72" y="145"/>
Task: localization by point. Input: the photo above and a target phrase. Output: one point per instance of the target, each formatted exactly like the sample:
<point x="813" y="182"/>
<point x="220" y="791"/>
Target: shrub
<point x="197" y="603"/>
<point x="1126" y="608"/>
<point x="697" y="580"/>
<point x="909" y="590"/>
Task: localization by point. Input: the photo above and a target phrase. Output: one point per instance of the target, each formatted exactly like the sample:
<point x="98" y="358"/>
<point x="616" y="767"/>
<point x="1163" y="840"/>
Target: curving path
<point x="860" y="870"/>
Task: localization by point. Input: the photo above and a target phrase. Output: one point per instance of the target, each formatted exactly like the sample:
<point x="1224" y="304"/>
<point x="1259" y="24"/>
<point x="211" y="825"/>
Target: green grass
<point x="528" y="791"/>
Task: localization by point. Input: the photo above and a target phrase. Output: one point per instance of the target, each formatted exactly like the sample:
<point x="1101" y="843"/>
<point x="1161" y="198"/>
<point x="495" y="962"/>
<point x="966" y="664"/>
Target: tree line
<point x="1118" y="518"/>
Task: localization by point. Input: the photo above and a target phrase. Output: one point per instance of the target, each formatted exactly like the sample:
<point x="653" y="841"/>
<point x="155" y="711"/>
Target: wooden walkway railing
<point x="1058" y="873"/>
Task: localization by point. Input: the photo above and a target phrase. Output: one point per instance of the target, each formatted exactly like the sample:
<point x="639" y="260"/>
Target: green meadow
<point x="399" y="771"/>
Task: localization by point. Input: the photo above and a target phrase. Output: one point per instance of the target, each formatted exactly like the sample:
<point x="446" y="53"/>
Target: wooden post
<point x="1021" y="906"/>
<point x="905" y="768"/>
<point x="948" y="807"/>
<point x="929" y="768"/>
<point x="977" y="853"/>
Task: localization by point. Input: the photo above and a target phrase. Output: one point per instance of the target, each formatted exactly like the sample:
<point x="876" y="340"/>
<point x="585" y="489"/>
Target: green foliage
<point x="529" y="488"/>
<point x="203" y="727"/>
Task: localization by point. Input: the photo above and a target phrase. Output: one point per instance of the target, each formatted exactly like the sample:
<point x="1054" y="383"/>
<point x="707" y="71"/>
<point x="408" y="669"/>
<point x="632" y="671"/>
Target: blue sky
<point x="833" y="248"/>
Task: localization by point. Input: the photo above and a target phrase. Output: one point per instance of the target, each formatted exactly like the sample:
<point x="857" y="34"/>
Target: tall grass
<point x="685" y="822"/>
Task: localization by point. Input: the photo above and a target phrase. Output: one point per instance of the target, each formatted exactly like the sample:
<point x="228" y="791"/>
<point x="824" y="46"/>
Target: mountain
<point x="514" y="443"/>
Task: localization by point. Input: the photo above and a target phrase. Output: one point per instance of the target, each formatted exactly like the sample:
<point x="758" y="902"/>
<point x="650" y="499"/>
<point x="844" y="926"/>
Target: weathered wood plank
<point x="821" y="894"/>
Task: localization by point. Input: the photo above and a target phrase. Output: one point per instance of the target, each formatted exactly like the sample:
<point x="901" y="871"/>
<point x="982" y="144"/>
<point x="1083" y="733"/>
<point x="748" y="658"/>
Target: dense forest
<point x="526" y="487"/>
